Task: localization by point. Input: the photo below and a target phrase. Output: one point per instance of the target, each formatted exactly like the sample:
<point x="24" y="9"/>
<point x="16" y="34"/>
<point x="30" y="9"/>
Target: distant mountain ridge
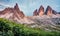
<point x="49" y="11"/>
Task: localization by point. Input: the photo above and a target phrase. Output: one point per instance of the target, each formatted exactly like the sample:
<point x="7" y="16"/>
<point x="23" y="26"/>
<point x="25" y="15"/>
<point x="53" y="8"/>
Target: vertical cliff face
<point x="48" y="11"/>
<point x="41" y="11"/>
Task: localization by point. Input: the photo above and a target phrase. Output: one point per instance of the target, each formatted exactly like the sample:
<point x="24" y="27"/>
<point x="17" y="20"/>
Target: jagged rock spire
<point x="21" y="14"/>
<point x="16" y="7"/>
<point x="41" y="10"/>
<point x="48" y="11"/>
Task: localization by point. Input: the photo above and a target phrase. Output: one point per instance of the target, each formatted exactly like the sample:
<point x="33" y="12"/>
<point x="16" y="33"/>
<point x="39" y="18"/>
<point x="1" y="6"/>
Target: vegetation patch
<point x="9" y="28"/>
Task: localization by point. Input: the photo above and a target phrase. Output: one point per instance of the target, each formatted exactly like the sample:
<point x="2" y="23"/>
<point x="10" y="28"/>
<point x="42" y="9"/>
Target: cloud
<point x="1" y="4"/>
<point x="4" y="1"/>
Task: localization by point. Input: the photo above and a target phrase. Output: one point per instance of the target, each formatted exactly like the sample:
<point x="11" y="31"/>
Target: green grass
<point x="9" y="28"/>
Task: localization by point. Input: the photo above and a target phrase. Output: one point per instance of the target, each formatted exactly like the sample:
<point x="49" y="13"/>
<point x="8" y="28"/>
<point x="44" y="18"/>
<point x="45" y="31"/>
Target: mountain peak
<point x="12" y="12"/>
<point x="18" y="11"/>
<point x="49" y="8"/>
<point x="16" y="7"/>
<point x="41" y="7"/>
<point x="48" y="11"/>
<point x="41" y="10"/>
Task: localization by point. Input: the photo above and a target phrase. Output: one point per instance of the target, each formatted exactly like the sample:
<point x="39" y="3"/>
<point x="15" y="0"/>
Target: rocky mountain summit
<point x="49" y="11"/>
<point x="39" y="12"/>
<point x="12" y="12"/>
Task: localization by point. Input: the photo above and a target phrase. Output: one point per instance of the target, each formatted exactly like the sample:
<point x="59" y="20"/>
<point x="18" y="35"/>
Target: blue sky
<point x="28" y="6"/>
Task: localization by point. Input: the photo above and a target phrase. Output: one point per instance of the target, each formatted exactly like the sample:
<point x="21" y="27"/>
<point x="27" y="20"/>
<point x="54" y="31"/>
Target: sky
<point x="28" y="6"/>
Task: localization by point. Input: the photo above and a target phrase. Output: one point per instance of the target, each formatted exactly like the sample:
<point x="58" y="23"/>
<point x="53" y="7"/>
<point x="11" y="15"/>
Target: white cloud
<point x="5" y="5"/>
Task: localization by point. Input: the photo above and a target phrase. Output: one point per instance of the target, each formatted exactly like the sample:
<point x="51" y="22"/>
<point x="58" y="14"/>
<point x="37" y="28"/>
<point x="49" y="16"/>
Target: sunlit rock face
<point x="48" y="11"/>
<point x="41" y="11"/>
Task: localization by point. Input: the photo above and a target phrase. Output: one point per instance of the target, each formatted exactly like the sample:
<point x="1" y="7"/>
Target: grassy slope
<point x="9" y="28"/>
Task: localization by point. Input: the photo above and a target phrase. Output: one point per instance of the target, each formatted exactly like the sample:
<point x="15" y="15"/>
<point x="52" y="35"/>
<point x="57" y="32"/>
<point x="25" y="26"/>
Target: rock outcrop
<point x="16" y="8"/>
<point x="15" y="12"/>
<point x="48" y="11"/>
<point x="35" y="13"/>
<point x="41" y="11"/>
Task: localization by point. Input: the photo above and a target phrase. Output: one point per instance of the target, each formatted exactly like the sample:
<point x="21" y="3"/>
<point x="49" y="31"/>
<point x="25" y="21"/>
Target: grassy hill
<point x="9" y="28"/>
